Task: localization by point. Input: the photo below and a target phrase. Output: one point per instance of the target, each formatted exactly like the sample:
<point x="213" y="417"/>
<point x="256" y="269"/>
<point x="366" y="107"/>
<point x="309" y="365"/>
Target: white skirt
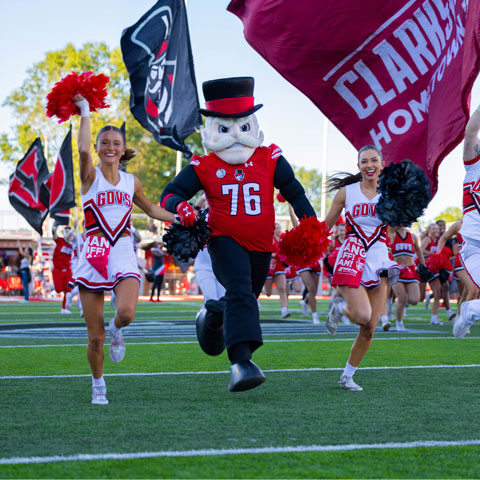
<point x="377" y="261"/>
<point x="122" y="263"/>
<point x="470" y="258"/>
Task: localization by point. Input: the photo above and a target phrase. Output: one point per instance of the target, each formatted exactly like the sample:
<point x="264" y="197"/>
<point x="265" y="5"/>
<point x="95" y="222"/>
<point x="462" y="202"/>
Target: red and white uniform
<point x="61" y="259"/>
<point x="77" y="247"/>
<point x="405" y="246"/>
<point x="470" y="249"/>
<point x="458" y="263"/>
<point x="363" y="223"/>
<point x="276" y="266"/>
<point x="248" y="216"/>
<point x="107" y="210"/>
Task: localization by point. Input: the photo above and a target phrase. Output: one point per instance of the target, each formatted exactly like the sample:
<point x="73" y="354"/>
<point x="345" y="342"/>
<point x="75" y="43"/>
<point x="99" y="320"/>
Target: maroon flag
<point x="394" y="74"/>
<point x="25" y="185"/>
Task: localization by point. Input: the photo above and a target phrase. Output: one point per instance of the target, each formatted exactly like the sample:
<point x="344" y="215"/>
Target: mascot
<point x="238" y="177"/>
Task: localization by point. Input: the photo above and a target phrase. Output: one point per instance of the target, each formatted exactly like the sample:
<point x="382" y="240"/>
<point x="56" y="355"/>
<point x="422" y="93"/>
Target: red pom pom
<point x="340" y="220"/>
<point x="446" y="252"/>
<point x="280" y="198"/>
<point x="305" y="244"/>
<point x="436" y="262"/>
<point x="92" y="87"/>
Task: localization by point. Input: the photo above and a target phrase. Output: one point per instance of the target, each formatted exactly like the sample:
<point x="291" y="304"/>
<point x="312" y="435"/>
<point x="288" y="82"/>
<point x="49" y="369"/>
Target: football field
<point x="171" y="414"/>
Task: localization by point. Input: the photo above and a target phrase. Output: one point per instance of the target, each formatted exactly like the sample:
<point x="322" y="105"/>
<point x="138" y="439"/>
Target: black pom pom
<point x="423" y="272"/>
<point x="185" y="242"/>
<point x="443" y="275"/>
<point x="405" y="193"/>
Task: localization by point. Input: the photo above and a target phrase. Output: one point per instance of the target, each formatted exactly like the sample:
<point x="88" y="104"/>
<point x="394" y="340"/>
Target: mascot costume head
<point x="231" y="128"/>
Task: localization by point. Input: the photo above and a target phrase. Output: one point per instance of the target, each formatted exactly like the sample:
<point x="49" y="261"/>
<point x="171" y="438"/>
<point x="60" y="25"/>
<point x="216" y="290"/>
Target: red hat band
<point x="230" y="106"/>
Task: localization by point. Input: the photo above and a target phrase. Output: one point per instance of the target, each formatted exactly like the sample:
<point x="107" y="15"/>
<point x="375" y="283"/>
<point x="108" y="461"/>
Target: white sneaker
<point x="304" y="308"/>
<point x="436" y="322"/>
<point x="286" y="313"/>
<point x="427" y="300"/>
<point x="99" y="395"/>
<point x="348" y="384"/>
<point x="68" y="300"/>
<point x="452" y="316"/>
<point x="65" y="310"/>
<point x="334" y="317"/>
<point x="461" y="327"/>
<point x="117" y="344"/>
<point x="386" y="326"/>
<point x="316" y="320"/>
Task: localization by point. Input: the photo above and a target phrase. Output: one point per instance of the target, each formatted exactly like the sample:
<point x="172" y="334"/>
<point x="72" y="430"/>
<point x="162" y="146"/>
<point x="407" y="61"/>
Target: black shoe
<point x="245" y="375"/>
<point x="211" y="340"/>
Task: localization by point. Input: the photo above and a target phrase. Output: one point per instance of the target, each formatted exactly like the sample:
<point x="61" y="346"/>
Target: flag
<point x="394" y="74"/>
<point x="123" y="129"/>
<point x="62" y="186"/>
<point x="25" y="184"/>
<point x="158" y="56"/>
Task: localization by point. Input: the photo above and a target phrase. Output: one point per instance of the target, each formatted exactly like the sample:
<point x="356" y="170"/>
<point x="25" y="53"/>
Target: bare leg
<point x="92" y="303"/>
<point x="364" y="308"/>
<point x="127" y="299"/>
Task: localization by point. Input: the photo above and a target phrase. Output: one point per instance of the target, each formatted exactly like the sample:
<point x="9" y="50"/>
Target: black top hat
<point x="229" y="97"/>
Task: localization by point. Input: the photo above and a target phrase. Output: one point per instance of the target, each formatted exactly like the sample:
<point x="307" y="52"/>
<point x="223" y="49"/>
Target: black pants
<point x="157" y="284"/>
<point x="242" y="273"/>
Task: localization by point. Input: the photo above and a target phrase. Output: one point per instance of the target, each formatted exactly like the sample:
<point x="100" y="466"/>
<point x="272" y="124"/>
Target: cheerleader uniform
<point x="107" y="259"/>
<point x="405" y="246"/>
<point x="470" y="249"/>
<point x="366" y="229"/>
<point x="276" y="266"/>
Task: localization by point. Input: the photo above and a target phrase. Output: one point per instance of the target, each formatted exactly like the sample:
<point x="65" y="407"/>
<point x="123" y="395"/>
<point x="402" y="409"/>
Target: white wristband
<point x="84" y="107"/>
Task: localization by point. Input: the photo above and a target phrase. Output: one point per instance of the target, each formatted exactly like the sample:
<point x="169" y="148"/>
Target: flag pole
<point x="179" y="162"/>
<point x="323" y="197"/>
<point x="77" y="246"/>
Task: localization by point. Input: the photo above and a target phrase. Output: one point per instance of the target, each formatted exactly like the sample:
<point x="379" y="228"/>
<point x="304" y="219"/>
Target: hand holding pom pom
<point x="91" y="87"/>
<point x="305" y="244"/>
<point x="437" y="262"/>
<point x="185" y="242"/>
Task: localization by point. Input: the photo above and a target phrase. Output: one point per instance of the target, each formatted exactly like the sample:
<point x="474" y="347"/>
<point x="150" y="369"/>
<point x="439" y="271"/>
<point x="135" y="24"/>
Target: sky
<point x="288" y="119"/>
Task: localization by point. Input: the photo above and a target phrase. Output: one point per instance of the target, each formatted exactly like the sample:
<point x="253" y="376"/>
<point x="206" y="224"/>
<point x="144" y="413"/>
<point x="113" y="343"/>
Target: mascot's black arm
<point x="291" y="189"/>
<point x="183" y="187"/>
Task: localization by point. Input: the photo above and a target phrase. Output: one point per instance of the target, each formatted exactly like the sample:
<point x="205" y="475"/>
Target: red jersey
<point x="403" y="246"/>
<point x="62" y="254"/>
<point x="240" y="197"/>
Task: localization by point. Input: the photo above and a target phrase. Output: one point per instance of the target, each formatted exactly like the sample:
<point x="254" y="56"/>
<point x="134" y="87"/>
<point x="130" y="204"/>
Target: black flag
<point x="158" y="56"/>
<point x="25" y="185"/>
<point x="62" y="187"/>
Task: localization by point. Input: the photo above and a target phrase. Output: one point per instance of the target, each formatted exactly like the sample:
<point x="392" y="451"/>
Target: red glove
<point x="186" y="214"/>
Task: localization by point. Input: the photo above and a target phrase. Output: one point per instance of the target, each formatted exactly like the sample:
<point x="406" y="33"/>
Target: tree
<point x="154" y="164"/>
<point x="312" y="183"/>
<point x="450" y="214"/>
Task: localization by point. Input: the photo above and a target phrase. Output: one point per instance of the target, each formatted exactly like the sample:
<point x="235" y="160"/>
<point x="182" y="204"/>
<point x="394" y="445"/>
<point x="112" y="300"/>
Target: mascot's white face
<point x="234" y="140"/>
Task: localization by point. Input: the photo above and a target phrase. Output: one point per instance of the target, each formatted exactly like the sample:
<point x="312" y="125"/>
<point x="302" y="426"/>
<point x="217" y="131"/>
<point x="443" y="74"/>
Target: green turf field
<point x="171" y="414"/>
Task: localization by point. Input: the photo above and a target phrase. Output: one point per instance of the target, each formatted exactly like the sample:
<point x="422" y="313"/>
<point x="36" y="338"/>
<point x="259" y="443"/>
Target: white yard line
<point x="280" y="370"/>
<point x="236" y="451"/>
<point x="268" y="340"/>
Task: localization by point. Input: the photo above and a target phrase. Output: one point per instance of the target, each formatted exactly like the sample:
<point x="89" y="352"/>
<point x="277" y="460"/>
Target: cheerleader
<point x="363" y="269"/>
<point x="108" y="260"/>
